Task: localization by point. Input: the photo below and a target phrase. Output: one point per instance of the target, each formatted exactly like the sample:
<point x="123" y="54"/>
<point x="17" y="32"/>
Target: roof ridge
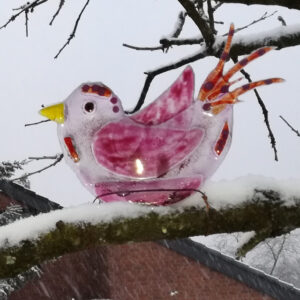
<point x="233" y="268"/>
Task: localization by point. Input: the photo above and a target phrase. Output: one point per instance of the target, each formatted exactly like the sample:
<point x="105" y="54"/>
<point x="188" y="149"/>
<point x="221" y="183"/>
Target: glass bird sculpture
<point x="161" y="154"/>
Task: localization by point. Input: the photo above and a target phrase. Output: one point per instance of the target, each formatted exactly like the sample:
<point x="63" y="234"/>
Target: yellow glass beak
<point x="54" y="112"/>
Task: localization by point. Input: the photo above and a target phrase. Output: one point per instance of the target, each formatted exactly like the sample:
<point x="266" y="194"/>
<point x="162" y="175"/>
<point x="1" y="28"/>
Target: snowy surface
<point x="279" y="257"/>
<point x="32" y="227"/>
<point x="219" y="194"/>
<point x="261" y="36"/>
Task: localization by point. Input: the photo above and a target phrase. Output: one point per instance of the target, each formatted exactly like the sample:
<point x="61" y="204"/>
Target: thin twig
<point x="210" y="12"/>
<point x="262" y="18"/>
<point x="180" y="23"/>
<point x="26" y="22"/>
<point x="217" y="6"/>
<point x="143" y="48"/>
<point x="28" y="7"/>
<point x="61" y="4"/>
<point x="72" y="35"/>
<point x="288" y="124"/>
<point x="265" y="114"/>
<point x="152" y="74"/>
<point x="58" y="159"/>
<point x="36" y="123"/>
<point x="44" y="157"/>
<point x="281" y="19"/>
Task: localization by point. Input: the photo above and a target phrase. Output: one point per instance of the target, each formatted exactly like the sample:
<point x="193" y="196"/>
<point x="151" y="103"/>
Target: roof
<point x="34" y="203"/>
<point x="237" y="270"/>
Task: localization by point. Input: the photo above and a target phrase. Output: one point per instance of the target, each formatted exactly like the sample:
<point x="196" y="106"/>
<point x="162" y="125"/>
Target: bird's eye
<point x="89" y="107"/>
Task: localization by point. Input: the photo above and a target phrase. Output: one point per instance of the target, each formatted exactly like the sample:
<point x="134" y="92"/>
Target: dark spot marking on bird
<point x="85" y="88"/>
<point x="268" y="81"/>
<point x="116" y="109"/>
<point x="208" y="85"/>
<point x="246" y="87"/>
<point x="96" y="89"/>
<point x="261" y="51"/>
<point x="224" y="89"/>
<point x="206" y="106"/>
<point x="220" y="144"/>
<point x="225" y="56"/>
<point x="243" y="62"/>
<point x="113" y="100"/>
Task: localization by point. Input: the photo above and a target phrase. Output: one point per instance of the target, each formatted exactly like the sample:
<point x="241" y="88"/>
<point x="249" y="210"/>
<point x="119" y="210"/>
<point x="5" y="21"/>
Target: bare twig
<point x="28" y="7"/>
<point x="26" y="22"/>
<point x="72" y="35"/>
<point x="262" y="18"/>
<point x="31" y="158"/>
<point x="58" y="159"/>
<point x="210" y="12"/>
<point x="280" y="19"/>
<point x="144" y="48"/>
<point x="265" y="114"/>
<point x="217" y="6"/>
<point x="36" y="123"/>
<point x="288" y="124"/>
<point x="61" y="4"/>
<point x="152" y="74"/>
<point x="276" y="255"/>
<point x="180" y="23"/>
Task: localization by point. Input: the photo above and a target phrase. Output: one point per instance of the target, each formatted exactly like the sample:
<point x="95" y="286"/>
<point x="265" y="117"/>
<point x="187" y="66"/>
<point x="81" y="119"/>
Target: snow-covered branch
<point x="280" y="37"/>
<point x="235" y="207"/>
<point x="286" y="3"/>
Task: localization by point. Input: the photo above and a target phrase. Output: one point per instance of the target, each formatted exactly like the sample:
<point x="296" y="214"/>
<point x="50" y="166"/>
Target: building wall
<point x="142" y="271"/>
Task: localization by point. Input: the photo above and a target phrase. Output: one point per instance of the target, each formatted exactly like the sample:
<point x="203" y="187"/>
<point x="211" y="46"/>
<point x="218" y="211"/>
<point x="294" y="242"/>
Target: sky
<point x="31" y="77"/>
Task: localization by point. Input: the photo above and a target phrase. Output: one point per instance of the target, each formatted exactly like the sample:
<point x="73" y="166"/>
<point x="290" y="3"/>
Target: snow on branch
<point x="280" y="37"/>
<point x="286" y="3"/>
<point x="247" y="204"/>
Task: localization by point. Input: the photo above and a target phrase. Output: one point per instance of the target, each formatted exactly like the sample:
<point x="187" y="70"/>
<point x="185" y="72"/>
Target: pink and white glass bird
<point x="161" y="154"/>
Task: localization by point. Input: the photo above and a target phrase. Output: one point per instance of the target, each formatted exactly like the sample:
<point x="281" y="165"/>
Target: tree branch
<point x="72" y="35"/>
<point x="265" y="113"/>
<point x="200" y="22"/>
<point x="289" y="125"/>
<point x="77" y="228"/>
<point x="151" y="75"/>
<point x="295" y="4"/>
<point x="168" y="42"/>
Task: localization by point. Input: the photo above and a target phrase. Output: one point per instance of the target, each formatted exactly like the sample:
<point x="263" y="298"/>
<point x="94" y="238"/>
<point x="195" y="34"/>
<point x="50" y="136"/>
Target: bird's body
<point x="159" y="155"/>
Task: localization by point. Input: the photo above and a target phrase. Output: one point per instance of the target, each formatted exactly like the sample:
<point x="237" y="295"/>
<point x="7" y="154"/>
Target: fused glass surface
<point x="161" y="154"/>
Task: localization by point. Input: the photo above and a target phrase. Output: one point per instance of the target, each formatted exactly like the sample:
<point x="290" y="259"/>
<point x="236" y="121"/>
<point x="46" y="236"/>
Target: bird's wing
<point x="177" y="98"/>
<point x="139" y="151"/>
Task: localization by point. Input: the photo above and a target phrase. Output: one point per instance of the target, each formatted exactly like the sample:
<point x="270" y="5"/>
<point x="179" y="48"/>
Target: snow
<point x="225" y="243"/>
<point x="274" y="34"/>
<point x="232" y="192"/>
<point x="261" y="37"/>
<point x="220" y="194"/>
<point x="32" y="227"/>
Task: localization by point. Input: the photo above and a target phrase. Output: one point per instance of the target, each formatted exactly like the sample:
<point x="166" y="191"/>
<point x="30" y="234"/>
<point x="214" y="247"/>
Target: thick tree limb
<point x="286" y="3"/>
<point x="267" y="211"/>
<point x="200" y="22"/>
